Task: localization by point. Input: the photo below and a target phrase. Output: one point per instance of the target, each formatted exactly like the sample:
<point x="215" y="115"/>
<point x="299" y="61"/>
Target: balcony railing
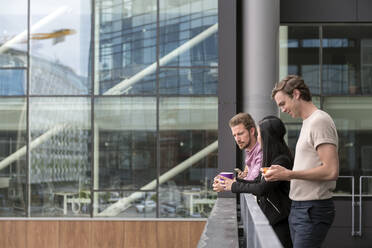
<point x="258" y="232"/>
<point x="221" y="229"/>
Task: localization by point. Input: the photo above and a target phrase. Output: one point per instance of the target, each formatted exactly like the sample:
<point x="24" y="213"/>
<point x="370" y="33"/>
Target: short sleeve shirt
<point x="317" y="129"/>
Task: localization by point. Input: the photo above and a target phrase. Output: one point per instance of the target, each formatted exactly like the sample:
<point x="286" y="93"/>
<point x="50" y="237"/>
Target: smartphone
<point x="238" y="170"/>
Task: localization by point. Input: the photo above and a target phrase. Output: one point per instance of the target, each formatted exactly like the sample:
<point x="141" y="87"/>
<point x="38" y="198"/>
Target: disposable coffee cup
<point x="227" y="174"/>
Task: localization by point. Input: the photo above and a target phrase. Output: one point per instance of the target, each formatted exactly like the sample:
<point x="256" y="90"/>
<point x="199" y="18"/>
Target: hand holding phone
<point x="241" y="174"/>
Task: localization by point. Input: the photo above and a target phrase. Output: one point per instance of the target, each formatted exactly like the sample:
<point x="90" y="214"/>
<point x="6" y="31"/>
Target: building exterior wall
<point x="109" y="108"/>
<point x="113" y="108"/>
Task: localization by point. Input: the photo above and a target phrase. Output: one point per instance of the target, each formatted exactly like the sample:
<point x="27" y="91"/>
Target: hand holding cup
<point x="218" y="184"/>
<point x="223" y="181"/>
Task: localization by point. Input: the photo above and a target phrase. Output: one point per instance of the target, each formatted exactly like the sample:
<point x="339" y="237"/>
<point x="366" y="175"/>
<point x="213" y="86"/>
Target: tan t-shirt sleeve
<point x="323" y="133"/>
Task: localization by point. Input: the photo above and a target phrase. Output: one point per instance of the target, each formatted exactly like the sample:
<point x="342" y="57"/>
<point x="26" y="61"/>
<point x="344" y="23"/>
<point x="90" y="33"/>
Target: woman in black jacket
<point x="272" y="197"/>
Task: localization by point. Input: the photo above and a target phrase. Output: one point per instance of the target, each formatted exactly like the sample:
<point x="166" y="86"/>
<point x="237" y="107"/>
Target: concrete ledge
<point x="221" y="229"/>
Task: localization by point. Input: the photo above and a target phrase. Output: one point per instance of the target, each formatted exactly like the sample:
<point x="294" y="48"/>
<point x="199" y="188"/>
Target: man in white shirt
<point x="316" y="165"/>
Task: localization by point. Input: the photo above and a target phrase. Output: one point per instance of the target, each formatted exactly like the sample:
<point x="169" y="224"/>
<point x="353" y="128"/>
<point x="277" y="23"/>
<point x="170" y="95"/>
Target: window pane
<point x="367" y="183"/>
<point x="353" y="119"/>
<point x="60" y="47"/>
<point x="12" y="82"/>
<point x="299" y="54"/>
<point x="125" y="50"/>
<point x="125" y="137"/>
<point x="13" y="175"/>
<point x="126" y="204"/>
<point x="60" y="156"/>
<point x="188" y="33"/>
<point x="122" y="154"/>
<point x="13" y="34"/>
<point x="347" y="58"/>
<point x="188" y="155"/>
<point x="188" y="81"/>
<point x="344" y="186"/>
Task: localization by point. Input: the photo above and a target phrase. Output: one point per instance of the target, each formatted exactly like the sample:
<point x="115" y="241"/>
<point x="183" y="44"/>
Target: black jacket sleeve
<point x="261" y="187"/>
<point x="257" y="179"/>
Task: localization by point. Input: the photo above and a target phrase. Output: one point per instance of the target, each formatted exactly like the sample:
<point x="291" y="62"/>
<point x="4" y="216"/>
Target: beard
<point x="243" y="146"/>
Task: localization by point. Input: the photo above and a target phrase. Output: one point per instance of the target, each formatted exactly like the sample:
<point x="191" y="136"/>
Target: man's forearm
<point x="319" y="173"/>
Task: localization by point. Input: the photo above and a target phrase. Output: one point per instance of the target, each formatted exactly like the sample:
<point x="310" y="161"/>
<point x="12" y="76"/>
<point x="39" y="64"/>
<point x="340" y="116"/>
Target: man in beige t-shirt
<point x="316" y="165"/>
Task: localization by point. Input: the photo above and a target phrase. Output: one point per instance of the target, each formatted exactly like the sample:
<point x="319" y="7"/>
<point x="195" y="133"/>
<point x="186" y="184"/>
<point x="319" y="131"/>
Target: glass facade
<point x="335" y="60"/>
<point x="109" y="108"/>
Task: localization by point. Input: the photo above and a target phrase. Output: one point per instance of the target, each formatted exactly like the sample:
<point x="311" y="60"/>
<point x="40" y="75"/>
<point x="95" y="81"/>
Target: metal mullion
<point x="14" y="68"/>
<point x="157" y="107"/>
<point x="58" y="96"/>
<point x="92" y="42"/>
<point x="28" y="133"/>
<point x="190" y="95"/>
<point x="121" y="190"/>
<point x="14" y="96"/>
<point x="189" y="67"/>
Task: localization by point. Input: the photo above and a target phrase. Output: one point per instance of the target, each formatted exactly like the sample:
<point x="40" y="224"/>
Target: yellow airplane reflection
<point x="57" y="36"/>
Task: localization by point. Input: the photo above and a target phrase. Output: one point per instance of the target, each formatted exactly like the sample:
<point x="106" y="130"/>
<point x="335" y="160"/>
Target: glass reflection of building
<point x="118" y="118"/>
<point x="334" y="59"/>
<point x="171" y="88"/>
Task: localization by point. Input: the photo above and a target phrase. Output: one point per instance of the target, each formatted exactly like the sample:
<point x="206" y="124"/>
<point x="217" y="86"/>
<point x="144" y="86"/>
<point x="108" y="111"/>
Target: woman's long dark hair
<point x="272" y="132"/>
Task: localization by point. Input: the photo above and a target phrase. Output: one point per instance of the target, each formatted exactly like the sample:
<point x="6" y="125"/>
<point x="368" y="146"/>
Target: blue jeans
<point x="309" y="222"/>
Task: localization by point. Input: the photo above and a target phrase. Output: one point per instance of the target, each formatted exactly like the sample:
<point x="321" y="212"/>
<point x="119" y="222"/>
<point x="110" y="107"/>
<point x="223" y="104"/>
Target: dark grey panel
<point x="227" y="50"/>
<point x="227" y="84"/>
<point x="364" y="10"/>
<point x="226" y="143"/>
<point x="340" y="234"/>
<point x="340" y="237"/>
<point x="318" y="11"/>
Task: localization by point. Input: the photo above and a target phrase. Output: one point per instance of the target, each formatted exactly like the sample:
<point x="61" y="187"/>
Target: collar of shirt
<point x="253" y="160"/>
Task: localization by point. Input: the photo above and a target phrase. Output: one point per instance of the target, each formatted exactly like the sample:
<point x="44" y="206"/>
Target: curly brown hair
<point x="289" y="84"/>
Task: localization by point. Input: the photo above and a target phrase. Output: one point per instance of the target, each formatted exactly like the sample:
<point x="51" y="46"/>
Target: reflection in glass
<point x="188" y="81"/>
<point x="147" y="162"/>
<point x="139" y="204"/>
<point x="13" y="173"/>
<point x="126" y="134"/>
<point x="60" y="47"/>
<point x="344" y="186"/>
<point x="125" y="47"/>
<point x="293" y="132"/>
<point x="188" y="129"/>
<point x="344" y="89"/>
<point x="367" y="185"/>
<point x="60" y="156"/>
<point x="13" y="34"/>
<point x="347" y="58"/>
<point x="12" y="82"/>
<point x="354" y="124"/>
<point x="299" y="54"/>
<point x="186" y="23"/>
